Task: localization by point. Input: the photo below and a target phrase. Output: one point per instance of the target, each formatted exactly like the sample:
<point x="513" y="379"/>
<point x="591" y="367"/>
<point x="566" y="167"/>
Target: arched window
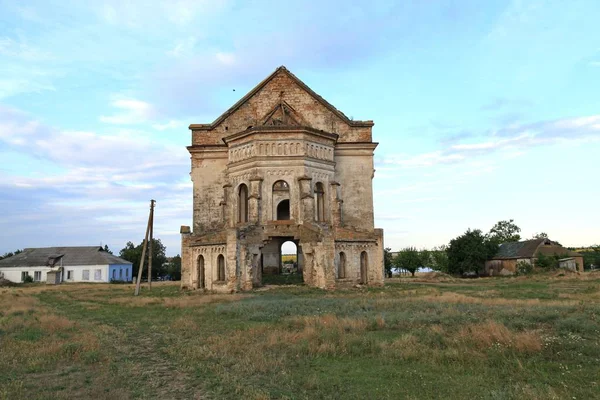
<point x="243" y="203"/>
<point x="342" y="266"/>
<point x="221" y="268"/>
<point x="200" y="272"/>
<point x="320" y="201"/>
<point x="281" y="200"/>
<point x="364" y="267"/>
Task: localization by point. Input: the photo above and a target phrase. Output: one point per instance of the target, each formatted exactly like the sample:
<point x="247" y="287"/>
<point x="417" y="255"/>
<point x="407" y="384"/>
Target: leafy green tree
<point x="106" y="249"/>
<point x="10" y="254"/>
<point x="439" y="259"/>
<point x="469" y="252"/>
<point x="388" y="261"/>
<point x="505" y="231"/>
<point x="409" y="259"/>
<point x="591" y="257"/>
<point x="134" y="254"/>
<point x="541" y="235"/>
<point x="174" y="267"/>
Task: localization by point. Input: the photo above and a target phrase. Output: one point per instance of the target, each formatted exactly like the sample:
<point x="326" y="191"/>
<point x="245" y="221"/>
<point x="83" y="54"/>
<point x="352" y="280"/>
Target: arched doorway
<point x="200" y="271"/>
<point x="283" y="210"/>
<point x="364" y="264"/>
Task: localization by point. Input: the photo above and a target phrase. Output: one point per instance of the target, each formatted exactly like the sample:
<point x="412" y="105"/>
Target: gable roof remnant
<point x="530" y="249"/>
<point x="65" y="256"/>
<point x="257" y="88"/>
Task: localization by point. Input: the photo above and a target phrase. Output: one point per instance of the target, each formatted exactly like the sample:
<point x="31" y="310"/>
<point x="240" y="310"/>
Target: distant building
<point x="509" y="254"/>
<point x="66" y="264"/>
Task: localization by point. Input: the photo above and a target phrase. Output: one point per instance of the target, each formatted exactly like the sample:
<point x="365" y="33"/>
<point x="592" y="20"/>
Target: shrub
<point x="524" y="268"/>
<point x="28" y="279"/>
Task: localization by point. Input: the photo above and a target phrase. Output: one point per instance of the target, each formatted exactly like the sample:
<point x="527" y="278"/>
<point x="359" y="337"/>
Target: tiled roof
<point x="530" y="249"/>
<point x="50" y="256"/>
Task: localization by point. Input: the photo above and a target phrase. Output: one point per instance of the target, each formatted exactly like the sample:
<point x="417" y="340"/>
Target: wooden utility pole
<point x="150" y="253"/>
<point x="148" y="230"/>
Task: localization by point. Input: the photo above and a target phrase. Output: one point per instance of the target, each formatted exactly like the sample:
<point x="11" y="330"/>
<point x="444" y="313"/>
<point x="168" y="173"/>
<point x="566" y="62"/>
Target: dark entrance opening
<point x="283" y="210"/>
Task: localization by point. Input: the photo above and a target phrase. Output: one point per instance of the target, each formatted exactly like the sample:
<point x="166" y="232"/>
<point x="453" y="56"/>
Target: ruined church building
<point x="281" y="165"/>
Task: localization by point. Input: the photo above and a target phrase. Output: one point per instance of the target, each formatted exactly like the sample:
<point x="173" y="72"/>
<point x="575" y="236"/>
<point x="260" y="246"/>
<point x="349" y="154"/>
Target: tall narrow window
<point x="220" y="268"/>
<point x="320" y="201"/>
<point x="342" y="266"/>
<point x="364" y="267"/>
<point x="243" y="203"/>
<point x="201" y="283"/>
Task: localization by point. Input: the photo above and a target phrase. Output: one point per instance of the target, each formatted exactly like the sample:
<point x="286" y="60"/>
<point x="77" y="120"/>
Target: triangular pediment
<point x="282" y="84"/>
<point x="282" y="115"/>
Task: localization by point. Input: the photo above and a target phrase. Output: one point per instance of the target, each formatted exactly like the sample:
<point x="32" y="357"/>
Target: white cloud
<point x="511" y="139"/>
<point x="183" y="47"/>
<point x="99" y="190"/>
<point x="134" y="112"/>
<point x="227" y="59"/>
<point x="172" y="124"/>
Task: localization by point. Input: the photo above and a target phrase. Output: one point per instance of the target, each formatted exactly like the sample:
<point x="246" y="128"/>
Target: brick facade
<point x="282" y="143"/>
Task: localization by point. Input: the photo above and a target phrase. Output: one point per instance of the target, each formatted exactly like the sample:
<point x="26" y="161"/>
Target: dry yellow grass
<point x="491" y="333"/>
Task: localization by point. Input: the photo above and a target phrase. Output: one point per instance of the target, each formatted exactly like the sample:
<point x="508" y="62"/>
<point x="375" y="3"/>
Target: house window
<point x="97" y="274"/>
<point x="243" y="203"/>
<point x="320" y="201"/>
<point x="85" y="275"/>
<point x="221" y="268"/>
<point x="342" y="266"/>
<point x="70" y="275"/>
<point x="120" y="274"/>
<point x="37" y="276"/>
<point x="24" y="276"/>
<point x="114" y="274"/>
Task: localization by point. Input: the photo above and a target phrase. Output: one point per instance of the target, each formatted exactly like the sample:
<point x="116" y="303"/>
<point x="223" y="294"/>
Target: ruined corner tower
<point x="281" y="165"/>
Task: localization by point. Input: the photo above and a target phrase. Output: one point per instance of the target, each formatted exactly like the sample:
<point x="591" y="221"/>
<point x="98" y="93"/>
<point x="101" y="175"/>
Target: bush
<point x="28" y="279"/>
<point x="524" y="268"/>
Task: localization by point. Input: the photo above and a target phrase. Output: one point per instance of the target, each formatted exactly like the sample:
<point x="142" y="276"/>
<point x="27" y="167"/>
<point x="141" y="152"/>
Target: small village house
<point x="509" y="254"/>
<point x="66" y="264"/>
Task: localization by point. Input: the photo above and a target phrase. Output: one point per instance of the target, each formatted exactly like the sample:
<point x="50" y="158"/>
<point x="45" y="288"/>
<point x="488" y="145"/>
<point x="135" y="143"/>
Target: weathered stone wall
<point x="320" y="146"/>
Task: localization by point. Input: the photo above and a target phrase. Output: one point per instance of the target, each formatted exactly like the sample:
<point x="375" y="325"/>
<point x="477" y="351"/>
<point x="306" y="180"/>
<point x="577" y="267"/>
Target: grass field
<point x="503" y="338"/>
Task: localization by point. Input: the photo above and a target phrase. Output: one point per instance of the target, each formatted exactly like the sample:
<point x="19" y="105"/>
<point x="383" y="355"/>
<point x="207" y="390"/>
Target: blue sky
<point x="483" y="111"/>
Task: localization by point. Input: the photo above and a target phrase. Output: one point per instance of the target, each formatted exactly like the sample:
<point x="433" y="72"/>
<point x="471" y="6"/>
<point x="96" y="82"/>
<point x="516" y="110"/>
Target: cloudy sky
<point x="482" y="112"/>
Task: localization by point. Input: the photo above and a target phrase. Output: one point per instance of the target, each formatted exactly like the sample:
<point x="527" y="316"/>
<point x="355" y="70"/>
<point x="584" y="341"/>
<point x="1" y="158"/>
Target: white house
<point x="71" y="264"/>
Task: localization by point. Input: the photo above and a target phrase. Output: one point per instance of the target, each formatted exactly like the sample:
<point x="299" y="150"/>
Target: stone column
<point x="307" y="202"/>
<point x="186" y="258"/>
<point x="226" y="205"/>
<point x="336" y="204"/>
<point x="254" y="199"/>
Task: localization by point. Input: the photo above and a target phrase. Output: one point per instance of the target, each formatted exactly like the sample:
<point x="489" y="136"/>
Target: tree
<point x="469" y="252"/>
<point x="505" y="231"/>
<point x="134" y="254"/>
<point x="409" y="259"/>
<point x="541" y="235"/>
<point x="106" y="249"/>
<point x="388" y="261"/>
<point x="10" y="254"/>
<point x="174" y="268"/>
<point x="439" y="259"/>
